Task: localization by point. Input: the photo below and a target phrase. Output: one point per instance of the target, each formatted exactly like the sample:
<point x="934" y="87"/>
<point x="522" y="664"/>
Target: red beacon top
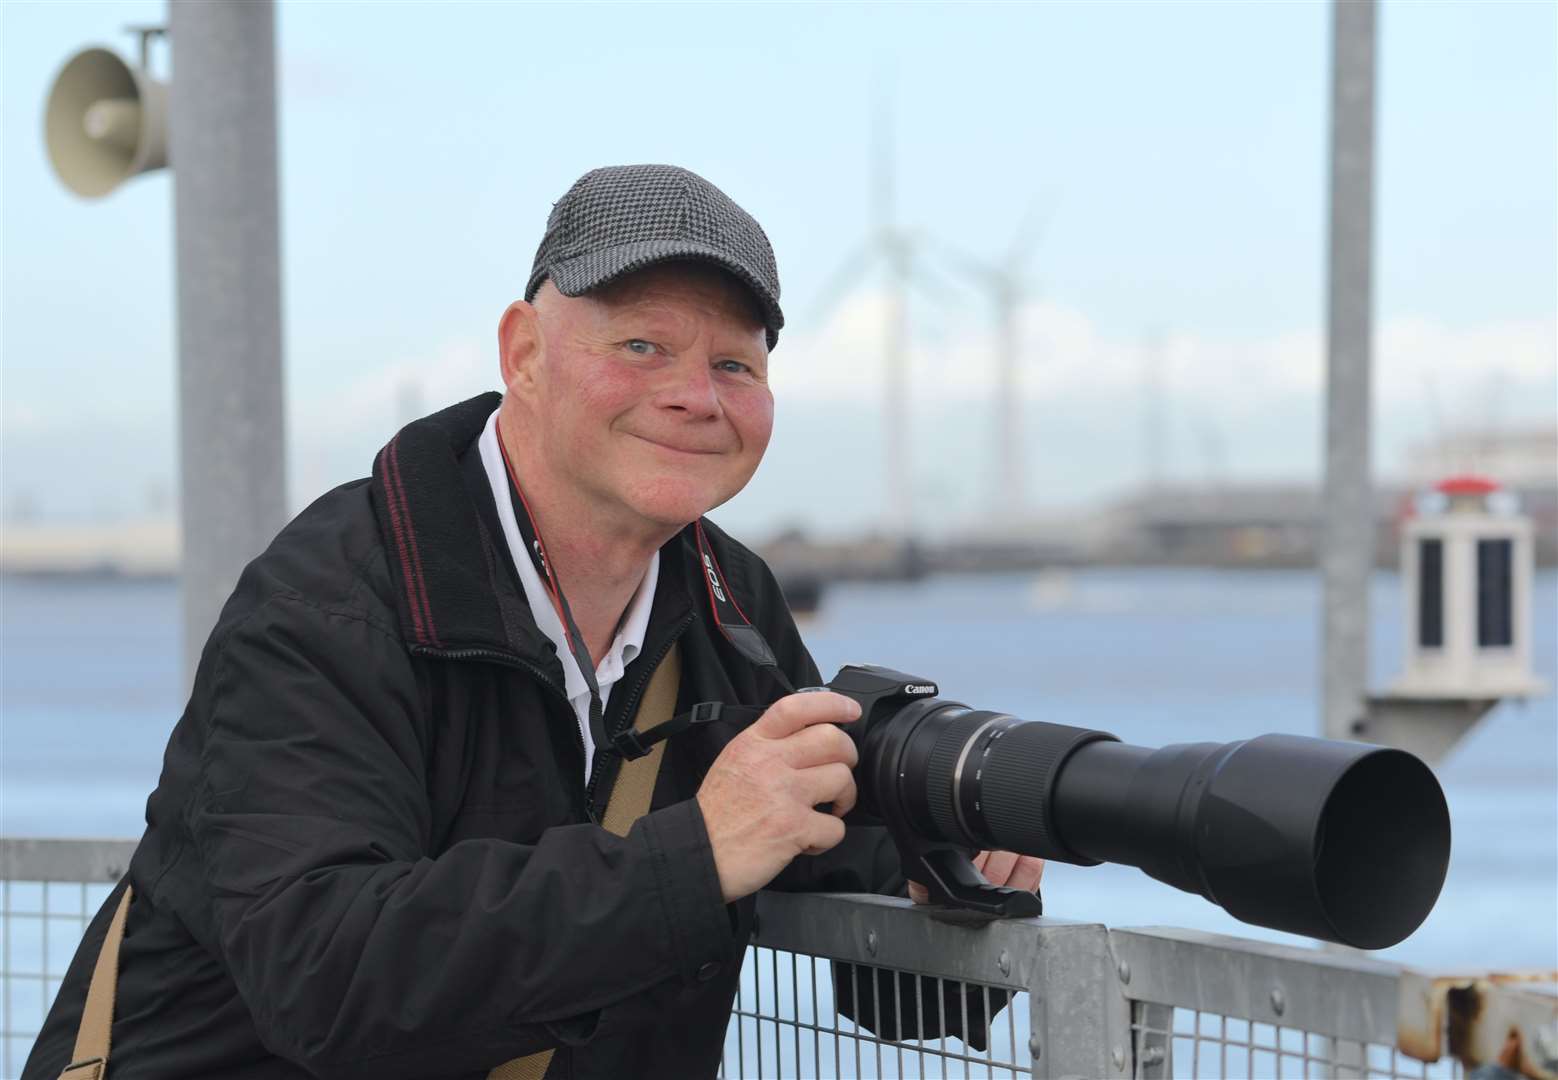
<point x="1467" y="484"/>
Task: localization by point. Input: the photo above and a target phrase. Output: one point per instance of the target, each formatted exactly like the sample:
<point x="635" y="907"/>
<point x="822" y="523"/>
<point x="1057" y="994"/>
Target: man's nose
<point x="692" y="389"/>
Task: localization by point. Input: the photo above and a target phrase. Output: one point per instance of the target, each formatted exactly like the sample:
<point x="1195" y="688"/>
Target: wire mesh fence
<point x="847" y="987"/>
<point x="786" y="1022"/>
<point x="49" y="890"/>
<point x="1190" y="1043"/>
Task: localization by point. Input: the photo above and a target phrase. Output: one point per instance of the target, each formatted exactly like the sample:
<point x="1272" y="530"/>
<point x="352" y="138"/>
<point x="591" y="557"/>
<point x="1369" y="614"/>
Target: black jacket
<point x="371" y="850"/>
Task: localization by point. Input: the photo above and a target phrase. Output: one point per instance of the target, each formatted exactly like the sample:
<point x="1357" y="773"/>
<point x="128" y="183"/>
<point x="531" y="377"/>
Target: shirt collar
<point x="629" y="639"/>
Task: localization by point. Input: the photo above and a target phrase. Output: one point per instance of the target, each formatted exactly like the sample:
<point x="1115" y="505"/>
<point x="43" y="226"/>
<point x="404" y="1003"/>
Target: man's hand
<point x="999" y="868"/>
<point x="759" y="798"/>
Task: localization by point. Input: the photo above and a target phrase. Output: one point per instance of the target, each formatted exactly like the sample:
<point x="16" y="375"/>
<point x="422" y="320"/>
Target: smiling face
<point x="644" y="404"/>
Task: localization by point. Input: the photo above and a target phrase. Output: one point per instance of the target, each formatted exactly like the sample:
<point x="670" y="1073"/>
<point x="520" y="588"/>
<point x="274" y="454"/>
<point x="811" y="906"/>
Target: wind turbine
<point x="1006" y="284"/>
<point x="1154" y="437"/>
<point x="897" y="250"/>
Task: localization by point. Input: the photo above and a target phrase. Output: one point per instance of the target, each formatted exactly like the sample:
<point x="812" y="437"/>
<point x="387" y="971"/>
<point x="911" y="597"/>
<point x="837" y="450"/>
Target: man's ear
<point x="521" y="348"/>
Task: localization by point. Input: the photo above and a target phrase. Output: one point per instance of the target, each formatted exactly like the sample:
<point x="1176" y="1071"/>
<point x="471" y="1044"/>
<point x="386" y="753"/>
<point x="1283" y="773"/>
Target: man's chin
<point x="676" y="505"/>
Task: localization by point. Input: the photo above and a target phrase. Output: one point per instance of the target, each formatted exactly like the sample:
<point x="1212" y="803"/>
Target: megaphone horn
<point x="105" y="122"/>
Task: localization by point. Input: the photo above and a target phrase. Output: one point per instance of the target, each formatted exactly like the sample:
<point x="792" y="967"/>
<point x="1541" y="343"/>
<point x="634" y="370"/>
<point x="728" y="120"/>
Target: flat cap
<point x="626" y="217"/>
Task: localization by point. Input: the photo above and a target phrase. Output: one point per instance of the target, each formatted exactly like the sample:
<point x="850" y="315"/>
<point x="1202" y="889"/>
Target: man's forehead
<point x="668" y="286"/>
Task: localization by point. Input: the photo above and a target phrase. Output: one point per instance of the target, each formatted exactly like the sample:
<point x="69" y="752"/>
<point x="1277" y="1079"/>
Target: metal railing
<point x="1035" y="997"/>
<point x="49" y="891"/>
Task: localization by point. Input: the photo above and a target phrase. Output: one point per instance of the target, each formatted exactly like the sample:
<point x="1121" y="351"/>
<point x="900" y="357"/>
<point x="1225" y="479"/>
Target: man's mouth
<point x="680" y="448"/>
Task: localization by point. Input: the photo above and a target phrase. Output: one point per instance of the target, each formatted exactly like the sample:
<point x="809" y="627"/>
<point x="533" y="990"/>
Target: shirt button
<point x="707" y="971"/>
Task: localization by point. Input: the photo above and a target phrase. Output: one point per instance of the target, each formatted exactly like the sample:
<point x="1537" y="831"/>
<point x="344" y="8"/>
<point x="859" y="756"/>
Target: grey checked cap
<point x="626" y="217"/>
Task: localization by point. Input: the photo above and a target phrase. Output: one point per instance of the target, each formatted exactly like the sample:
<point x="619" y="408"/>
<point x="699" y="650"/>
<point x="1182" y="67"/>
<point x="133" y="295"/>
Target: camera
<point x="1341" y="841"/>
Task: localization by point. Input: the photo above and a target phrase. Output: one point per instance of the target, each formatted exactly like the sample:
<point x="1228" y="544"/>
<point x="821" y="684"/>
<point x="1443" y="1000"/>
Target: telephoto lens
<point x="1340" y="841"/>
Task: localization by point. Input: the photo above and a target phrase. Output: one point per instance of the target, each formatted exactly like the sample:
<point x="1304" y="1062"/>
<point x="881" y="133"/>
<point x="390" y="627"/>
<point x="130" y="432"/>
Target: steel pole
<point x="900" y="490"/>
<point x="222" y="141"/>
<point x="1347" y="543"/>
<point x="1011" y="493"/>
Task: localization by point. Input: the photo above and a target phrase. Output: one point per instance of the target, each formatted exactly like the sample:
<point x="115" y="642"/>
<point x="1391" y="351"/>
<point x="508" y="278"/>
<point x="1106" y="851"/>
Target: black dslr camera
<point x="1341" y="841"/>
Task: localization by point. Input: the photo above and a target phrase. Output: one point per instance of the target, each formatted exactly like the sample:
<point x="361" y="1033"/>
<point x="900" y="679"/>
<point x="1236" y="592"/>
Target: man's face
<point x="652" y="395"/>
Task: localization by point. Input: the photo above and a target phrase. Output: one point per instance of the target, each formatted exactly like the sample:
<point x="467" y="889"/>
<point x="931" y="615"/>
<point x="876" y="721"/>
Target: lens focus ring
<point x="942" y="772"/>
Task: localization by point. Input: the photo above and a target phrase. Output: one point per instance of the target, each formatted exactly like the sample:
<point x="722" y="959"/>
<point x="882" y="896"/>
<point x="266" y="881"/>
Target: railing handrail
<point x="26" y="858"/>
<point x="1083" y="979"/>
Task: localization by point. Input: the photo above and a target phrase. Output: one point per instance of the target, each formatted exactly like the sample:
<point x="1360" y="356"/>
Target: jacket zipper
<point x="628" y="713"/>
<point x="510" y="660"/>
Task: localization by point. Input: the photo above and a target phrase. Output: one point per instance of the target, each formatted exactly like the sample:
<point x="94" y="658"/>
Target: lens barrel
<point x="1340" y="841"/>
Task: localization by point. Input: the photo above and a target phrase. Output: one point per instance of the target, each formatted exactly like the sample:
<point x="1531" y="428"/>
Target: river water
<point x="90" y="690"/>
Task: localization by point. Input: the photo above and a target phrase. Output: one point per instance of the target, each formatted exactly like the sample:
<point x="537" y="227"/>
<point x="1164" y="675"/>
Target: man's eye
<point x="732" y="365"/>
<point x="641" y="347"/>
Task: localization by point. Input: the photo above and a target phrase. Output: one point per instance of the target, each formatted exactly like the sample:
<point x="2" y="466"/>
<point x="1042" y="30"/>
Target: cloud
<point x="1230" y="407"/>
<point x="333" y="436"/>
<point x="1065" y="355"/>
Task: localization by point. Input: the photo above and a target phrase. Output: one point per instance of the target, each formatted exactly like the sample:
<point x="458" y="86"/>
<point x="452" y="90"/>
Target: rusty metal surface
<point x="1509" y="1018"/>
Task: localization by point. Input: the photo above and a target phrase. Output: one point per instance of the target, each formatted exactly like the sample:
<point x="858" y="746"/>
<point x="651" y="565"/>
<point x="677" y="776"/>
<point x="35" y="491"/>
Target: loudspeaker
<point x="105" y="122"/>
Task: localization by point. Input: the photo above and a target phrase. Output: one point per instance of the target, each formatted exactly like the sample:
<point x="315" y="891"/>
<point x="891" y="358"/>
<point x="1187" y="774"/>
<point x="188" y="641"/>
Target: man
<point x="375" y="847"/>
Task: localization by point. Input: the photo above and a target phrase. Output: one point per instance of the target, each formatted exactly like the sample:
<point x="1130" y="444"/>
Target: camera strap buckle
<point x="633" y="745"/>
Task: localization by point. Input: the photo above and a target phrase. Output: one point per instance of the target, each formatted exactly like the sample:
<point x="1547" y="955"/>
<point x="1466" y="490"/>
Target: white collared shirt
<point x="630" y="632"/>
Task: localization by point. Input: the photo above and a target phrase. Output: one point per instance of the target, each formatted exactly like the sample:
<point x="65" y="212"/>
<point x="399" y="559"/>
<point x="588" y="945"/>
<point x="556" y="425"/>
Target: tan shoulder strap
<point x="629" y="801"/>
<point x="636" y="779"/>
<point x="89" y="1060"/>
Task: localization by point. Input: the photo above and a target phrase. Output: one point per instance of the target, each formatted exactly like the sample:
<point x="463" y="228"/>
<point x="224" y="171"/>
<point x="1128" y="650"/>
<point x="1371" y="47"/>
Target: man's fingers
<point x="1007" y="868"/>
<point x="1010" y="869"/>
<point x="823" y="832"/>
<point x="790" y="714"/>
<point x="820" y="744"/>
<point x="998" y="867"/>
<point x="1026" y="874"/>
<point x="831" y="783"/>
<point x="845" y="802"/>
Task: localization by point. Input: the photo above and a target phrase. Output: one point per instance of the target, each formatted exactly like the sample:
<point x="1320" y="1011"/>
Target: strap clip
<point x="706" y="712"/>
<point x="633" y="744"/>
<point x="630" y="746"/>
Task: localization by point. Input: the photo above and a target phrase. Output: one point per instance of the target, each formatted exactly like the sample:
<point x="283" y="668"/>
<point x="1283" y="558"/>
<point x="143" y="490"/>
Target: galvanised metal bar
<point x="1081" y="1019"/>
<point x="1086" y="1001"/>
<point x="1347" y="997"/>
<point x="886" y="932"/>
<point x="222" y="141"/>
<point x="28" y="859"/>
<point x="1078" y="1018"/>
<point x="1347" y="545"/>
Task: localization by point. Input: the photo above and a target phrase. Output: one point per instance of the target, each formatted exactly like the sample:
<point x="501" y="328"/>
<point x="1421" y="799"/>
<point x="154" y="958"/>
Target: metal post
<point x="1011" y="492"/>
<point x="899" y="485"/>
<point x="900" y="490"/>
<point x="1079" y="1020"/>
<point x="222" y="136"/>
<point x="1154" y="444"/>
<point x="1347" y="546"/>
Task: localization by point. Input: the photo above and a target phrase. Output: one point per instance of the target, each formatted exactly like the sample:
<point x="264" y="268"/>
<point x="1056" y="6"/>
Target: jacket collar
<point x="455" y="586"/>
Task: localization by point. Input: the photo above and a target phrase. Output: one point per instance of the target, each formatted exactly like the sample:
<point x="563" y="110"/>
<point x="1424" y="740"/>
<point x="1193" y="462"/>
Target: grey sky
<point x="1177" y="149"/>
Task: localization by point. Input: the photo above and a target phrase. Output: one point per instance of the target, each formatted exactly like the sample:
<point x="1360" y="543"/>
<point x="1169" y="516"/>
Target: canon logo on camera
<point x="919" y="688"/>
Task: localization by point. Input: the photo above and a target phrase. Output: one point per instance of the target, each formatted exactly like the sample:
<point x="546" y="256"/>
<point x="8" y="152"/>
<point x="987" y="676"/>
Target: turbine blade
<point x="968" y="264"/>
<point x="842" y="282"/>
<point x="1025" y="239"/>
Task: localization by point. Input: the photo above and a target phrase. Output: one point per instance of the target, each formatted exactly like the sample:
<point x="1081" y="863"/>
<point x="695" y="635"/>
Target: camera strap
<point x="537" y="552"/>
<point x="745" y="638"/>
<point x="728" y="616"/>
<point x="732" y="621"/>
